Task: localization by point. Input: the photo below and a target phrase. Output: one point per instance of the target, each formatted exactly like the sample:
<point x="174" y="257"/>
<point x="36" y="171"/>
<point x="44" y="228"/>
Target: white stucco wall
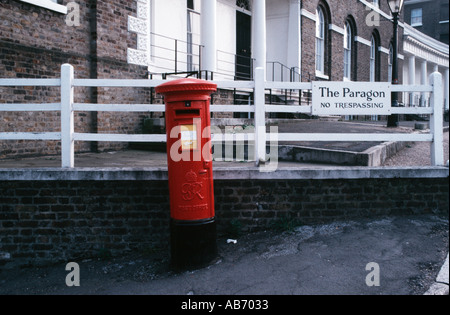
<point x="226" y="38"/>
<point x="283" y="37"/>
<point x="277" y="30"/>
<point x="169" y="22"/>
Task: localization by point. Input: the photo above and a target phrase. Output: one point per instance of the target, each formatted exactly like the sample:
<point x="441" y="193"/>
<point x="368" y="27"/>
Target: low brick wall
<point x="258" y="204"/>
<point x="46" y="221"/>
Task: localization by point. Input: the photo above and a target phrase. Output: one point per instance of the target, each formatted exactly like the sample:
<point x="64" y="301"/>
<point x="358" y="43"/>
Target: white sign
<point x="351" y="98"/>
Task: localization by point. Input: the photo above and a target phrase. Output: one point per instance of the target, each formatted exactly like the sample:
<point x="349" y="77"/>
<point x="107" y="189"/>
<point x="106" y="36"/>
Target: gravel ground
<point x="417" y="154"/>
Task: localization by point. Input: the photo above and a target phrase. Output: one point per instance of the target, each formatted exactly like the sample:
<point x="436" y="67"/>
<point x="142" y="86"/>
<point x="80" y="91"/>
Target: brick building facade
<point x="119" y="39"/>
<point x="429" y="17"/>
<point x="35" y="42"/>
<point x="368" y="25"/>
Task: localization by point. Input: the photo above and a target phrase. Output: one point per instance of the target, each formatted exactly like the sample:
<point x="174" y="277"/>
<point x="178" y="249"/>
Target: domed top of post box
<point x="187" y="86"/>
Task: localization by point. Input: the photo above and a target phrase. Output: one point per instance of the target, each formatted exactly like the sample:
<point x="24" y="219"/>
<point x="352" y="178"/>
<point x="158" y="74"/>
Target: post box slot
<point x="187" y="112"/>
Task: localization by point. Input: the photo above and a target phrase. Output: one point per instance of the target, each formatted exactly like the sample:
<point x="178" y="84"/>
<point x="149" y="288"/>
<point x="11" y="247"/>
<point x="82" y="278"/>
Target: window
<point x="375" y="57"/>
<point x="244" y="4"/>
<point x="348" y="51"/>
<point x="320" y="40"/>
<point x="390" y="62"/>
<point x="374" y="63"/>
<point x="190" y="61"/>
<point x="373" y="54"/>
<point x="444" y="13"/>
<point x="416" y="17"/>
<point x="193" y="31"/>
<point x="48" y="4"/>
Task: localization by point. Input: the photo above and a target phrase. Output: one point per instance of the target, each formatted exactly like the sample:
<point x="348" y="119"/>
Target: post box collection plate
<point x="189" y="137"/>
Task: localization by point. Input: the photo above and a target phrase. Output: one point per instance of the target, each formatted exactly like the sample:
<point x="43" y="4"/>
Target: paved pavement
<point x="384" y="256"/>
<point x="335" y="127"/>
<point x="140" y="158"/>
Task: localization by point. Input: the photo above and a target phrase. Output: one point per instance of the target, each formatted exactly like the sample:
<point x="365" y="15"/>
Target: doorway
<point x="243" y="46"/>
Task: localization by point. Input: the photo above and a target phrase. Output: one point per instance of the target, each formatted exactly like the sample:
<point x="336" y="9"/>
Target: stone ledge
<point x="221" y="173"/>
<point x="438" y="289"/>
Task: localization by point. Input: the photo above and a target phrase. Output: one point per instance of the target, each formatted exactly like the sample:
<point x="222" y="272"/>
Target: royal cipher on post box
<point x="189" y="157"/>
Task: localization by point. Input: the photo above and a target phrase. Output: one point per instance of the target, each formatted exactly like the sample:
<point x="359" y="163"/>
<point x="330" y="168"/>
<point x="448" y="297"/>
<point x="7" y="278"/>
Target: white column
<point x="411" y="76"/>
<point x="294" y="35"/>
<point x="259" y="54"/>
<point x="446" y="94"/>
<point x="423" y="81"/>
<point x="208" y="35"/>
<point x="259" y="34"/>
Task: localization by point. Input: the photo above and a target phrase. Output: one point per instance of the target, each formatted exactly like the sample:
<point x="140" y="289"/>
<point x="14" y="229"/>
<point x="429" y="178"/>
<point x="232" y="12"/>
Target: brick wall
<point x="35" y="42"/>
<point x="52" y="221"/>
<point x="113" y="39"/>
<point x="308" y="49"/>
<point x="432" y="13"/>
<point x="48" y="221"/>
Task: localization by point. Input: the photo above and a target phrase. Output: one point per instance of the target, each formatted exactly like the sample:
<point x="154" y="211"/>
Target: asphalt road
<point x="381" y="256"/>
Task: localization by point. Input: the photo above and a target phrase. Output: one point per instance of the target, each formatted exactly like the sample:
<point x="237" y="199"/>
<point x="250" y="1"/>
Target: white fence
<point x="67" y="107"/>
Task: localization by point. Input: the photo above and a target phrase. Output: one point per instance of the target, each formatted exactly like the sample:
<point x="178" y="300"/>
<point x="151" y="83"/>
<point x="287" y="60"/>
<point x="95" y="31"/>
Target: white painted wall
<point x="169" y="19"/>
<point x="283" y="37"/>
<point x="277" y="29"/>
<point x="226" y="38"/>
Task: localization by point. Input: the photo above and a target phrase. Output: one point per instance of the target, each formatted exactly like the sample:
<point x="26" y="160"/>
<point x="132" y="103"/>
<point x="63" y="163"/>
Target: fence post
<point x="437" y="120"/>
<point x="260" y="116"/>
<point x="67" y="117"/>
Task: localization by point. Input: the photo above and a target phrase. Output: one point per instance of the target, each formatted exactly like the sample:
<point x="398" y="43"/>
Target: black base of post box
<point x="193" y="243"/>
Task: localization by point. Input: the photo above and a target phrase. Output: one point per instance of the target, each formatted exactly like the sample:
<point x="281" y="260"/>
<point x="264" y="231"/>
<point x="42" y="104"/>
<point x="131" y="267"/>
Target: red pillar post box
<point x="193" y="228"/>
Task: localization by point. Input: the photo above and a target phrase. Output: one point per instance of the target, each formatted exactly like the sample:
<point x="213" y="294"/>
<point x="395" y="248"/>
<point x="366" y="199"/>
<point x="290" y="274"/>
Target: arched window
<point x="373" y="59"/>
<point x="390" y="62"/>
<point x="348" y="40"/>
<point x="244" y="4"/>
<point x="320" y="40"/>
<point x="374" y="62"/>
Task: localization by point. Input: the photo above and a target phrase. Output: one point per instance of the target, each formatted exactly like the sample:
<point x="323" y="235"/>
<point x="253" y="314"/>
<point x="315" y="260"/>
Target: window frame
<point x="348" y="51"/>
<point x="48" y="4"/>
<point x="191" y="15"/>
<point x="390" y="62"/>
<point x="373" y="59"/>
<point x="244" y="6"/>
<point x="413" y="23"/>
<point x="320" y="41"/>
